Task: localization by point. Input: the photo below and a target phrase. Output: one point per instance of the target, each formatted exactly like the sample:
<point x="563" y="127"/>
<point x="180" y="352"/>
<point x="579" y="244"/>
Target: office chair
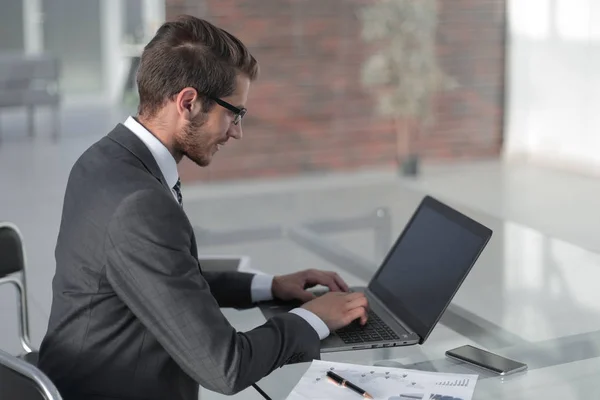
<point x="12" y="270"/>
<point x="21" y="380"/>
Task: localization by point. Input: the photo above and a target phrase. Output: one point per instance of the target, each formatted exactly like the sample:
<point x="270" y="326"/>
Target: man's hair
<point x="191" y="52"/>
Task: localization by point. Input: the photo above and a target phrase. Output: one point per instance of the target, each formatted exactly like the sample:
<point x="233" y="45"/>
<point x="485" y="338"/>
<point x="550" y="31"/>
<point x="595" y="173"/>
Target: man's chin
<point x="200" y="161"/>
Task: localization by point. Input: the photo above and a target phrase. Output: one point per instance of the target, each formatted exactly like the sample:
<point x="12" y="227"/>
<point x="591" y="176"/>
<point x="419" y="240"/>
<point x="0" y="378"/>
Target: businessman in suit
<point x="133" y="315"/>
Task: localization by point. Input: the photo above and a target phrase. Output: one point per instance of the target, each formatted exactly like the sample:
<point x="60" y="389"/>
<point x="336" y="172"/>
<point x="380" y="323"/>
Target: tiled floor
<point x="33" y="174"/>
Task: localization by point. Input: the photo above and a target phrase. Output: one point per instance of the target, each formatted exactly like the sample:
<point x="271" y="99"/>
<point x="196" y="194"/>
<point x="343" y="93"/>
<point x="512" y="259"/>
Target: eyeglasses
<point x="238" y="112"/>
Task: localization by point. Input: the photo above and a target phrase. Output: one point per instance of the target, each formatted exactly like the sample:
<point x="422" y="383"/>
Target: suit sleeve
<point x="151" y="268"/>
<point x="230" y="288"/>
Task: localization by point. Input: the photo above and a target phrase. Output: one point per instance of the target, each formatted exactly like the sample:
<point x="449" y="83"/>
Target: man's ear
<point x="186" y="101"/>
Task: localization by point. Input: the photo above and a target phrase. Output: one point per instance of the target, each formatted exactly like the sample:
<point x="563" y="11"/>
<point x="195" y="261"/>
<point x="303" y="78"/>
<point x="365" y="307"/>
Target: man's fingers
<point x="304" y="295"/>
<point x="356" y="313"/>
<point x="353" y="296"/>
<point x="358" y="302"/>
<point x="339" y="281"/>
<point x="361" y="304"/>
<point x="364" y="317"/>
<point x="321" y="278"/>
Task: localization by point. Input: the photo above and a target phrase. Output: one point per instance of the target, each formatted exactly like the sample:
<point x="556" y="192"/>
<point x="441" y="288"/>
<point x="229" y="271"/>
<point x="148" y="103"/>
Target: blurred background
<point x="362" y="106"/>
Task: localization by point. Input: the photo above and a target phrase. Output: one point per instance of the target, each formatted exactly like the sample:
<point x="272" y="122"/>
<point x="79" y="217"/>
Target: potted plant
<point x="406" y="68"/>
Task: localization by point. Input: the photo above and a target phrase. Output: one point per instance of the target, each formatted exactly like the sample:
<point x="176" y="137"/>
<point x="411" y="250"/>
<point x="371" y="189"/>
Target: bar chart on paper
<point x="457" y="383"/>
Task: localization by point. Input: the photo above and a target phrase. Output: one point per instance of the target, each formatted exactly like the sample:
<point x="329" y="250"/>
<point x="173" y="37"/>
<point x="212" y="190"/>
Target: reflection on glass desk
<point x="530" y="297"/>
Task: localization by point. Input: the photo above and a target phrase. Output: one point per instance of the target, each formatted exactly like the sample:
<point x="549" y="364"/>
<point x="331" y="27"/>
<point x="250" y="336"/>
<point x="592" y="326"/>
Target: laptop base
<point x="338" y="340"/>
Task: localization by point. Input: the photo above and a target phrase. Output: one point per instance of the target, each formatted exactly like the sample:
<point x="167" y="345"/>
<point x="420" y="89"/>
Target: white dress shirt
<point x="260" y="287"/>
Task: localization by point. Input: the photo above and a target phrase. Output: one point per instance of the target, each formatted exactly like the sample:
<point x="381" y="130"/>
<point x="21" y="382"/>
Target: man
<point x="134" y="316"/>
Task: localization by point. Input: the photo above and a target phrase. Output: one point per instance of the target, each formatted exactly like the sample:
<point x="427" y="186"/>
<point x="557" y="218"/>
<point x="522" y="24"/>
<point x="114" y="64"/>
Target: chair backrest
<point x="12" y="257"/>
<point x="28" y="79"/>
<point x="12" y="270"/>
<point x="22" y="380"/>
<point x="15" y="67"/>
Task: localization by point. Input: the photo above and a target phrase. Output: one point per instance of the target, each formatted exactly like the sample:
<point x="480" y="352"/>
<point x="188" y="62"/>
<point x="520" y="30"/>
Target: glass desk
<point x="529" y="297"/>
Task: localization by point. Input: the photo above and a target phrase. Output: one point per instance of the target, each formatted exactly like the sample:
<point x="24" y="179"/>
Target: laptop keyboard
<point x="374" y="330"/>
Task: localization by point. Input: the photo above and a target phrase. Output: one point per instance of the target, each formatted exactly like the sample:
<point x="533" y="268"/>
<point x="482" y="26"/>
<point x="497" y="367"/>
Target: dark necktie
<point x="177" y="189"/>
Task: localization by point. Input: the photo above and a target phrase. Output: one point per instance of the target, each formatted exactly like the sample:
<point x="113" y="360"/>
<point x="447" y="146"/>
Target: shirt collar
<point x="164" y="159"/>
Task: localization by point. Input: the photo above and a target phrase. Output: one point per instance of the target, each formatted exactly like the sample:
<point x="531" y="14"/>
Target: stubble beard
<point x="194" y="144"/>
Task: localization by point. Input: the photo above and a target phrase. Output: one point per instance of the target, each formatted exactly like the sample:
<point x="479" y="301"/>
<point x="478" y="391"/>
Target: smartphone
<point x="486" y="360"/>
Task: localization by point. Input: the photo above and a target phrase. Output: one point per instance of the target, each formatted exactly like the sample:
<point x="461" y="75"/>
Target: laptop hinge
<point x="372" y="297"/>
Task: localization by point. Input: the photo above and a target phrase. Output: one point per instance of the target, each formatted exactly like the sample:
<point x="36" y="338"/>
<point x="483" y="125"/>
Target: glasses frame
<point x="238" y="112"/>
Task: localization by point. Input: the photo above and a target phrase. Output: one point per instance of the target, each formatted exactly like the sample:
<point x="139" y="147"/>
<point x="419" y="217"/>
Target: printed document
<point x="382" y="383"/>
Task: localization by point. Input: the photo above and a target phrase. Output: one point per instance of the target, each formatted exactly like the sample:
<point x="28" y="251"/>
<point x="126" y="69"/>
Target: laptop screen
<point x="428" y="263"/>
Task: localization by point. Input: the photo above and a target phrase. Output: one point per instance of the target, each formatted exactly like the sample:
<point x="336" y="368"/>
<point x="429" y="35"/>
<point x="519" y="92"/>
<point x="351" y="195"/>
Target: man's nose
<point x="235" y="131"/>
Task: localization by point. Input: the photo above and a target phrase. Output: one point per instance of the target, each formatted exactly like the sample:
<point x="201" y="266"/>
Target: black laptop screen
<point x="428" y="263"/>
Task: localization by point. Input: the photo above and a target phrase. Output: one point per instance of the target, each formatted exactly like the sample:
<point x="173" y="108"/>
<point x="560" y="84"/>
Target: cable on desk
<point x="262" y="393"/>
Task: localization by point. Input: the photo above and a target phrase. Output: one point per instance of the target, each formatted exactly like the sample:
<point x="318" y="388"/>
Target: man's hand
<point x="339" y="309"/>
<point x="293" y="286"/>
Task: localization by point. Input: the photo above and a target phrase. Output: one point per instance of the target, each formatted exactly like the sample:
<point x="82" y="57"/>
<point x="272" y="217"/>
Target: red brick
<point x="308" y="111"/>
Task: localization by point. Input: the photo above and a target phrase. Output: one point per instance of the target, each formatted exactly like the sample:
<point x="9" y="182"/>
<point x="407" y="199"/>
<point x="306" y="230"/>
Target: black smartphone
<point x="486" y="360"/>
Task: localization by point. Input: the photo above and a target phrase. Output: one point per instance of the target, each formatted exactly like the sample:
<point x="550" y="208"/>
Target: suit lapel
<point x="195" y="249"/>
<point x="131" y="142"/>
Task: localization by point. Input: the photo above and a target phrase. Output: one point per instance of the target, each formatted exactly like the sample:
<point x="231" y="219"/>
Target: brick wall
<point x="308" y="112"/>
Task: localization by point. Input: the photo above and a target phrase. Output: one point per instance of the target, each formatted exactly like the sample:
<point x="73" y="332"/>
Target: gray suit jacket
<point x="133" y="314"/>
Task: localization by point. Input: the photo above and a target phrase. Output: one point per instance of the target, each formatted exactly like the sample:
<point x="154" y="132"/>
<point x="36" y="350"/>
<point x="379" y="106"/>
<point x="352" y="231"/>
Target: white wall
<point x="553" y="83"/>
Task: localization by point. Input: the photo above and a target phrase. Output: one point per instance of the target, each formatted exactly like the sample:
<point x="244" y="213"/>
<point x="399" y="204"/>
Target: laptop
<point x="414" y="284"/>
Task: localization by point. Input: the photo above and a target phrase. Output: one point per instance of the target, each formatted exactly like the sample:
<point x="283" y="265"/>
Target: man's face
<point x="203" y="134"/>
